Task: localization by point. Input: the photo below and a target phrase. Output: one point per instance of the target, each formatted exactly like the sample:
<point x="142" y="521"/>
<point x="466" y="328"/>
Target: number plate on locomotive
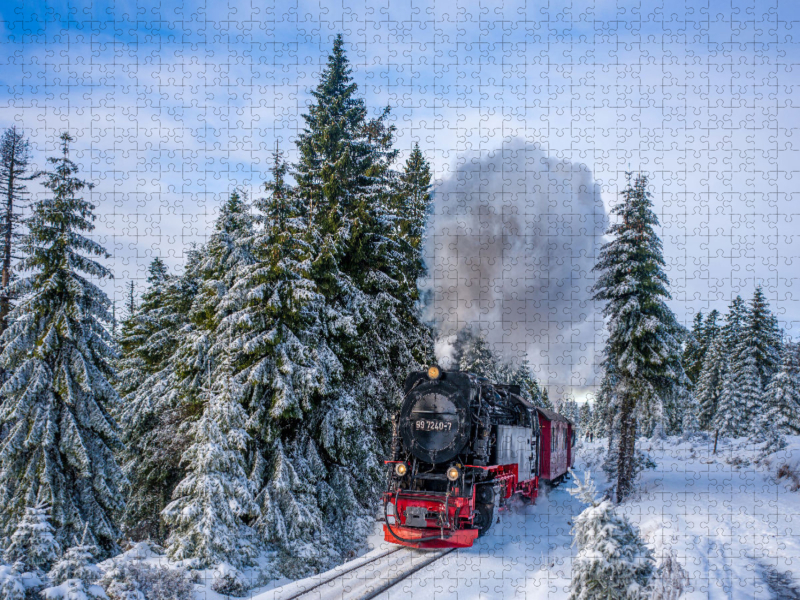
<point x="426" y="425"/>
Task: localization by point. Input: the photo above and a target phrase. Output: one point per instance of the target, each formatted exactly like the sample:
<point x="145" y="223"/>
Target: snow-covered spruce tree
<point x="689" y="411"/>
<point x="528" y="384"/>
<point x="655" y="410"/>
<point x="147" y="333"/>
<point x="372" y="324"/>
<point x="152" y="411"/>
<point x="331" y="333"/>
<point x="710" y="328"/>
<point x="33" y="542"/>
<point x="285" y="368"/>
<point x="597" y="427"/>
<point x="569" y="408"/>
<point x="702" y="335"/>
<point x="130" y="300"/>
<point x="708" y="388"/>
<point x="763" y="336"/>
<point x="730" y="417"/>
<point x="644" y="343"/>
<point x="678" y="412"/>
<point x="604" y="405"/>
<point x="693" y="349"/>
<point x="205" y="517"/>
<point x="412" y="206"/>
<point x="476" y="355"/>
<point x="759" y="357"/>
<point x="545" y="401"/>
<point x="749" y="392"/>
<point x="732" y="331"/>
<point x="75" y="575"/>
<point x="227" y="256"/>
<point x="15" y="156"/>
<point x="586" y="418"/>
<point x="13" y="584"/>
<point x="203" y="351"/>
<point x="167" y="346"/>
<point x="612" y="560"/>
<point x="59" y="435"/>
<point x="782" y="413"/>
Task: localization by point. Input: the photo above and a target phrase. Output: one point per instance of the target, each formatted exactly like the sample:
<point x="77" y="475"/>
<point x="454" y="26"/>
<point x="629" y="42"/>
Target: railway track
<point x="368" y="579"/>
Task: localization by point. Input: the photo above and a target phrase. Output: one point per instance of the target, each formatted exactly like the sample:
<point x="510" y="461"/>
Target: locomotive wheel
<point x="485" y="494"/>
<point x="483" y="518"/>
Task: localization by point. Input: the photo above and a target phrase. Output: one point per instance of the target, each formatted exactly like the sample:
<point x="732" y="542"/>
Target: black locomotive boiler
<point x="462" y="446"/>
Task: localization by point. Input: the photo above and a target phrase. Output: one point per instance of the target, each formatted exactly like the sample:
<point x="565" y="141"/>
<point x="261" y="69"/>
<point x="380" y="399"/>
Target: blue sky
<point x="177" y="103"/>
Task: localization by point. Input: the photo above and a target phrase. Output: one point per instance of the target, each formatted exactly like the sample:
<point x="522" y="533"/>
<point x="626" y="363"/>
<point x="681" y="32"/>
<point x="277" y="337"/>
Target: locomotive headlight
<point x="453" y="473"/>
<point x="400" y="469"/>
<point x="434" y="372"/>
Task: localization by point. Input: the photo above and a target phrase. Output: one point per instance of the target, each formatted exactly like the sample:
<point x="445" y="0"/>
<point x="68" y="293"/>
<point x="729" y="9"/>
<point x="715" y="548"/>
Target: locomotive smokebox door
<point x="434" y="419"/>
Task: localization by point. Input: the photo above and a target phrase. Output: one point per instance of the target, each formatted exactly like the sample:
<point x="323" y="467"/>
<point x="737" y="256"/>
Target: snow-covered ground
<point x="733" y="524"/>
<point x="732" y="521"/>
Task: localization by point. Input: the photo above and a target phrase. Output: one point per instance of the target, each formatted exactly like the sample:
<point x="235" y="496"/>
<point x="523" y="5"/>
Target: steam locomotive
<point x="461" y="448"/>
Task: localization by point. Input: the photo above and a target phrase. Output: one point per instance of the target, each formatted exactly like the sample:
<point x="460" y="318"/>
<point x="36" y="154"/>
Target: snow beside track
<point x="733" y="524"/>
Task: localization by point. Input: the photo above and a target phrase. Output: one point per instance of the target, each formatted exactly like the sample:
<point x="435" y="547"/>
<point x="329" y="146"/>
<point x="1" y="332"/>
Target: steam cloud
<point x="514" y="237"/>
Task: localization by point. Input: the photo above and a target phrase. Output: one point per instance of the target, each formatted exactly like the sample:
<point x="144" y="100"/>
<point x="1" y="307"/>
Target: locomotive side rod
<point x="390" y="584"/>
<point x="302" y="593"/>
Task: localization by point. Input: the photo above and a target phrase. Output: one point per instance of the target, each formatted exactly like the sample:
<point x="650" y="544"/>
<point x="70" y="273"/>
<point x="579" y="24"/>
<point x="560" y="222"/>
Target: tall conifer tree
<point x="709" y="383"/>
<point x="644" y="336"/>
<point x="783" y="396"/>
<point x="730" y="416"/>
<point x="151" y="414"/>
<point x="412" y="205"/>
<point x="198" y="372"/>
<point x="145" y="339"/>
<point x="285" y="368"/>
<point x="693" y="350"/>
<point x="529" y="385"/>
<point x="59" y="433"/>
<point x="604" y="406"/>
<point x="367" y="336"/>
<point x="759" y="353"/>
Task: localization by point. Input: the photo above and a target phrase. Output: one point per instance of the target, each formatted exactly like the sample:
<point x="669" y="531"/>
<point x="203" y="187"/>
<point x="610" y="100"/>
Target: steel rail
<point x="345" y="572"/>
<point x="402" y="576"/>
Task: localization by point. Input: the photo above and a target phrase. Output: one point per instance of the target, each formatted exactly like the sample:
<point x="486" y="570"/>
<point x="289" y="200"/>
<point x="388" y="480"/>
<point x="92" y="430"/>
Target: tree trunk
<point x="627" y="441"/>
<point x="5" y="301"/>
<point x="716" y="437"/>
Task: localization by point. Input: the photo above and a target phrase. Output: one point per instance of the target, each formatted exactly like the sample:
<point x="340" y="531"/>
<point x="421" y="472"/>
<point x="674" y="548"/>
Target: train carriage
<point x="556" y="447"/>
<point x="462" y="446"/>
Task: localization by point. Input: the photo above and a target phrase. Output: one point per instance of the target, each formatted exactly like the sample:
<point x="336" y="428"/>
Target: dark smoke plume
<point x="514" y="237"/>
